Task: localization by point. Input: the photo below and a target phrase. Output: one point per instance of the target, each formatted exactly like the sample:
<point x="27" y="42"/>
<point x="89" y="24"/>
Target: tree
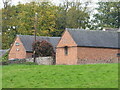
<point x="6" y="3"/>
<point x="19" y="19"/>
<point x="43" y="48"/>
<point x="108" y="15"/>
<point x="73" y="15"/>
<point x="51" y="21"/>
<point x="7" y="29"/>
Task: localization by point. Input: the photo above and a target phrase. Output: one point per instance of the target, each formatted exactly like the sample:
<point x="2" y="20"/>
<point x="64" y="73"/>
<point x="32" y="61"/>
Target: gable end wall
<point x="14" y="54"/>
<point x="71" y="58"/>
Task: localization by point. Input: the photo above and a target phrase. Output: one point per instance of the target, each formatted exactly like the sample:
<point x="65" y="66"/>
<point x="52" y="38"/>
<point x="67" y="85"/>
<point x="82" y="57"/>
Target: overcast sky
<point x="15" y="2"/>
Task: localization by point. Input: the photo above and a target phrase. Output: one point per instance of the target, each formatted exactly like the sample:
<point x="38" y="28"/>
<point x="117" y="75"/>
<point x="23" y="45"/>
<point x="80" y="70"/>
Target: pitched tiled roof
<point x="96" y="38"/>
<point x="28" y="40"/>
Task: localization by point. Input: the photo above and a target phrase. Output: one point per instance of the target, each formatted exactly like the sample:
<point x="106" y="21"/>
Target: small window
<point x="17" y="44"/>
<point x="118" y="54"/>
<point x="66" y="50"/>
<point x="17" y="49"/>
<point x="32" y="56"/>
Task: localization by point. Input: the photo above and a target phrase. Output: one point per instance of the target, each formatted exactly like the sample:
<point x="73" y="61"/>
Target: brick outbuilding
<point x="84" y="46"/>
<point x="22" y="46"/>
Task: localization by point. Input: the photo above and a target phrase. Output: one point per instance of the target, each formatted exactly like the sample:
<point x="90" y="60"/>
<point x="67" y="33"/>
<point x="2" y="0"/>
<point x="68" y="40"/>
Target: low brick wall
<point x="42" y="60"/>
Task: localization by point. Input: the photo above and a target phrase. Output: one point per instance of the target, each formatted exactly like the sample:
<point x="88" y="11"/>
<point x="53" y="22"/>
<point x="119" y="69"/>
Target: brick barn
<point x="84" y="46"/>
<point x="22" y="46"/>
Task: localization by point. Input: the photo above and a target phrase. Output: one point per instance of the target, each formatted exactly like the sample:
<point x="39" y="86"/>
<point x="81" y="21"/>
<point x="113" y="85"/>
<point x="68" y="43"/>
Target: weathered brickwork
<point x="18" y="51"/>
<point x="82" y="55"/>
<point x="71" y="58"/>
<point x="96" y="55"/>
<point x="66" y="40"/>
<point x="29" y="54"/>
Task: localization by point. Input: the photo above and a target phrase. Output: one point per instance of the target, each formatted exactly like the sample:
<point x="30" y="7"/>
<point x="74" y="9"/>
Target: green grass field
<point x="60" y="76"/>
<point x="0" y="77"/>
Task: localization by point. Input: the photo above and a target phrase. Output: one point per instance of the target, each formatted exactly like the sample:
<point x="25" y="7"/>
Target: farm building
<point x="22" y="46"/>
<point x="84" y="46"/>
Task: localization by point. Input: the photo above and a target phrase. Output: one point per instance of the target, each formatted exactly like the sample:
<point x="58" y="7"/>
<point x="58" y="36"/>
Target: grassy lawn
<point x="0" y="77"/>
<point x="60" y="76"/>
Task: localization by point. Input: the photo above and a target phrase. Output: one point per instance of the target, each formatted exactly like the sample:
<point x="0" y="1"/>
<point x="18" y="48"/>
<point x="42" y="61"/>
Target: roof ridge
<point x="39" y="36"/>
<point x="91" y="30"/>
<point x="80" y="29"/>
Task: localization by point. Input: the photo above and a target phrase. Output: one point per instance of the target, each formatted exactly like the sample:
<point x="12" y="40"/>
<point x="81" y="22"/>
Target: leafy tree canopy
<point x="51" y="19"/>
<point x="108" y="15"/>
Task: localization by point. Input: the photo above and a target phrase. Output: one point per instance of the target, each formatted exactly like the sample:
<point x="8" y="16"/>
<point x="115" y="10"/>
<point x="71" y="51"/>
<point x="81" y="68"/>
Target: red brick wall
<point x="97" y="55"/>
<point x="14" y="54"/>
<point x="71" y="58"/>
<point x="29" y="55"/>
<point x="83" y="55"/>
<point x="66" y="40"/>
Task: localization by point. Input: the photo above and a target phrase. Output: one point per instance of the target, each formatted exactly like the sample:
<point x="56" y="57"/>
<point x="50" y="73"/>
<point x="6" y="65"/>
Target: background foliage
<point x="53" y="19"/>
<point x="108" y="15"/>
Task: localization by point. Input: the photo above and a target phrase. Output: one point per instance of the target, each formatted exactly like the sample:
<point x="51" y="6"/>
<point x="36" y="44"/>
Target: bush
<point x="4" y="59"/>
<point x="43" y="49"/>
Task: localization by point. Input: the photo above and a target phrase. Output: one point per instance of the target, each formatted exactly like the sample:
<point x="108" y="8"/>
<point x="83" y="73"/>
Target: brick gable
<point x="66" y="40"/>
<point x="17" y="51"/>
<point x="71" y="58"/>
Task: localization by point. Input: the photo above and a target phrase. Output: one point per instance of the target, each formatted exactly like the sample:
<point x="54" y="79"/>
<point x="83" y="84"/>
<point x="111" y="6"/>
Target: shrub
<point x="43" y="49"/>
<point x="4" y="59"/>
